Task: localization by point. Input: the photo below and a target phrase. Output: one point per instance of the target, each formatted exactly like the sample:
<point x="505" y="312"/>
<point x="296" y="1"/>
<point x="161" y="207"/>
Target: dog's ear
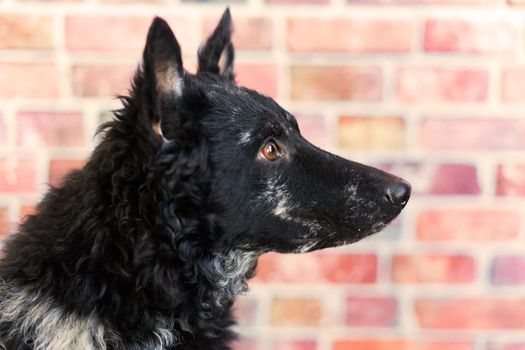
<point x="217" y="54"/>
<point x="163" y="70"/>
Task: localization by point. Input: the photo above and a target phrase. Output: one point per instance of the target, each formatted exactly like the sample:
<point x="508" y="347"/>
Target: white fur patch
<point x="245" y="137"/>
<point x="168" y="79"/>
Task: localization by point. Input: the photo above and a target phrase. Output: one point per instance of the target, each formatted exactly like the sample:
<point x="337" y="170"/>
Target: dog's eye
<point x="270" y="151"/>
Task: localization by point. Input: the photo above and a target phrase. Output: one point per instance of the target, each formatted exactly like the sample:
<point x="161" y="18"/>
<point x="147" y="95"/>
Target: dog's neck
<point x="41" y="321"/>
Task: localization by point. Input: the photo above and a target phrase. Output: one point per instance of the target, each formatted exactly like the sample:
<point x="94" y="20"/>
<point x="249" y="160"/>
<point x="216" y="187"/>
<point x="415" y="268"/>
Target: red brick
<point x="475" y="313"/>
<point x="433" y="269"/>
<point x="25" y="211"/>
<point x="5" y="225"/>
<point x="18" y="175"/>
<point x="259" y="77"/>
<point x="458" y="35"/>
<point x="93" y="81"/>
<point x="384" y="133"/>
<point x="510" y="180"/>
<point x="294" y="345"/>
<point x="508" y="270"/>
<point x="400" y="345"/>
<point x="429" y="84"/>
<point x="295" y="312"/>
<point x="512" y="85"/>
<point x="249" y="33"/>
<point x="371" y="312"/>
<point x="468" y="225"/>
<point x="349" y="35"/>
<point x="322" y="83"/>
<point x="506" y="346"/>
<point x="26" y="31"/>
<point x="245" y="311"/>
<point x="437" y="179"/>
<point x="59" y="168"/>
<point x="34" y="80"/>
<point x="122" y="33"/>
<point x="313" y="128"/>
<point x="472" y="133"/>
<point x="50" y="129"/>
<point x="317" y="268"/>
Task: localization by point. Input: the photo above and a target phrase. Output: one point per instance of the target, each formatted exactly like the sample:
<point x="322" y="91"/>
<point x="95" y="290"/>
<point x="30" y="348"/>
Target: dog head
<point x="271" y="189"/>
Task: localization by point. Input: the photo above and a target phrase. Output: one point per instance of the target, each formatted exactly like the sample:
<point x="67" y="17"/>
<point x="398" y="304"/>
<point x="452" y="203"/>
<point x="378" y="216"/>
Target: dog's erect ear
<point x="162" y="66"/>
<point x="217" y="54"/>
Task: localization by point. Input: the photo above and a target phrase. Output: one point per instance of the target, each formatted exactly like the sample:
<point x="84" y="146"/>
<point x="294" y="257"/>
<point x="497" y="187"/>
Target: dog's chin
<point x="336" y="239"/>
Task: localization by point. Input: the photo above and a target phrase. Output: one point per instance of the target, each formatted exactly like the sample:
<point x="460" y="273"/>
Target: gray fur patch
<point x="233" y="267"/>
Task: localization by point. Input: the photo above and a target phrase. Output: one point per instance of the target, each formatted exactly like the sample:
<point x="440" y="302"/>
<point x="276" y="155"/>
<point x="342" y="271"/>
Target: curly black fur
<point x="148" y="245"/>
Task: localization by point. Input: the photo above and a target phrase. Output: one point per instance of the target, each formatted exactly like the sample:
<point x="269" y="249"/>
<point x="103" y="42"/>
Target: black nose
<point x="398" y="193"/>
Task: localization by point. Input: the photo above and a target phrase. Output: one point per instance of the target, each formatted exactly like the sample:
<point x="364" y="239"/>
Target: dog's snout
<point x="398" y="193"/>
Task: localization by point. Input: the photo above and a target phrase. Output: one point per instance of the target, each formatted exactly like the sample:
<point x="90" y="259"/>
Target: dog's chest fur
<point x="35" y="322"/>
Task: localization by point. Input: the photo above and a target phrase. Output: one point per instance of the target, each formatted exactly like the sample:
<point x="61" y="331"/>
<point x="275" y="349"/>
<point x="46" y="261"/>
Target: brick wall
<point x="432" y="90"/>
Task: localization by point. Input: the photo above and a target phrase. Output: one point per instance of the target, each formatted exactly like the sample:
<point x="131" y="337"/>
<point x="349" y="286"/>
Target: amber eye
<point x="270" y="151"/>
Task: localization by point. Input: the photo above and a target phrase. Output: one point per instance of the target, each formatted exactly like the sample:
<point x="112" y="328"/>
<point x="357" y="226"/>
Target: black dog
<point x="149" y="244"/>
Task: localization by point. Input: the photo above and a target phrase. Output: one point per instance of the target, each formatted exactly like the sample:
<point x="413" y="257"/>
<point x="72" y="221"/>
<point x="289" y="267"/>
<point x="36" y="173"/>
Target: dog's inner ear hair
<point x="163" y="70"/>
<point x="217" y="54"/>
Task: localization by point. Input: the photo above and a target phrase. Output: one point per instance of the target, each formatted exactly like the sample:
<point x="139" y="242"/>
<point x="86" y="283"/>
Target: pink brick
<point x="26" y="31"/>
<point x="33" y="80"/>
<point x="424" y="2"/>
<point x="3" y="131"/>
<point x="5" y="225"/>
<point x="455" y="179"/>
<point x="259" y="77"/>
<point x="93" y="81"/>
<point x="472" y="133"/>
<point x="319" y="2"/>
<point x="245" y="311"/>
<point x="430" y="84"/>
<point x="336" y="83"/>
<point x="400" y="344"/>
<point x="313" y="128"/>
<point x="59" y="168"/>
<point x="317" y="268"/>
<point x="294" y="345"/>
<point x="506" y="346"/>
<point x="371" y="312"/>
<point x="458" y="35"/>
<point x="245" y="344"/>
<point x="510" y="180"/>
<point x="50" y="129"/>
<point x="349" y="35"/>
<point x="468" y="225"/>
<point x="250" y="33"/>
<point x="472" y="313"/>
<point x="512" y="85"/>
<point x="18" y="175"/>
<point x="123" y="33"/>
<point x="508" y="270"/>
<point x="433" y="269"/>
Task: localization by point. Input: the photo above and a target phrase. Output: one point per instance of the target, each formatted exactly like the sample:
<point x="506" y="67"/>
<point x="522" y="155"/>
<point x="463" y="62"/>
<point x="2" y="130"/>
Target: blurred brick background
<point x="432" y="90"/>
